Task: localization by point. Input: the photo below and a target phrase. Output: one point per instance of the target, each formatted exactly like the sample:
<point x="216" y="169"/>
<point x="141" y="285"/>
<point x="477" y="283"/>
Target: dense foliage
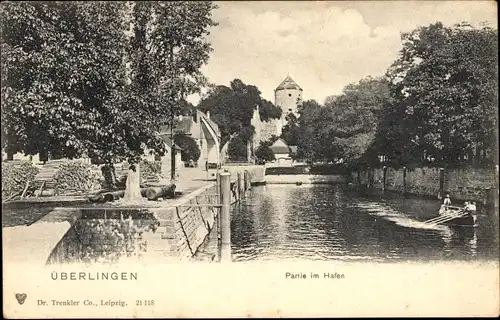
<point x="190" y="149"/>
<point x="76" y="80"/>
<point x="264" y="152"/>
<point x="15" y="176"/>
<point x="232" y="108"/>
<point x="237" y="148"/>
<point x="437" y="105"/>
<point x="445" y="91"/>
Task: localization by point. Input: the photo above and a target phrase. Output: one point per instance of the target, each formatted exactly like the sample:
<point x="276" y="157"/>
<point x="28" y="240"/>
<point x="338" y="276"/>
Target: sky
<point x="323" y="45"/>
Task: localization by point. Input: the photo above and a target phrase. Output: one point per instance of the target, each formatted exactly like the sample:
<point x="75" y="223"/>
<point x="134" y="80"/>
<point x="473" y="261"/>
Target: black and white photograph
<point x="249" y="159"/>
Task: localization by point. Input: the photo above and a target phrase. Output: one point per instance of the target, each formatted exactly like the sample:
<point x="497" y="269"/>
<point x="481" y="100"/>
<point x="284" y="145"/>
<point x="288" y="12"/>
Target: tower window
<point x="289" y="94"/>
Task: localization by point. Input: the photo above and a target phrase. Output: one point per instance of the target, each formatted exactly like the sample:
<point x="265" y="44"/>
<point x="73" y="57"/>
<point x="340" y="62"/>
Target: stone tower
<point x="288" y="96"/>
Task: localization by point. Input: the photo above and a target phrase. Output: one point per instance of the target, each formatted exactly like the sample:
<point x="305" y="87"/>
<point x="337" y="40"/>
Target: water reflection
<point x="322" y="222"/>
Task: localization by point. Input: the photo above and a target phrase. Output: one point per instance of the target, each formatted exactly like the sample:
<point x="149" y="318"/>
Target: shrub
<point x="76" y="176"/>
<point x="15" y="176"/>
<point x="264" y="152"/>
<point x="190" y="149"/>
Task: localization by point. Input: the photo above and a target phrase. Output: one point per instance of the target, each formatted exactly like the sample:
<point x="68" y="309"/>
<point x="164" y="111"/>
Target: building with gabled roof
<point x="204" y="131"/>
<point x="281" y="152"/>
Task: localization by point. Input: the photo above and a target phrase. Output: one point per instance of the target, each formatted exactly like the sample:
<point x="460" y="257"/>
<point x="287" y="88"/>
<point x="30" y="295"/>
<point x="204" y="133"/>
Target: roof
<point x="210" y="122"/>
<point x="183" y="125"/>
<point x="293" y="149"/>
<point x="190" y="125"/>
<point x="288" y="83"/>
<point x="168" y="141"/>
<point x="280" y="146"/>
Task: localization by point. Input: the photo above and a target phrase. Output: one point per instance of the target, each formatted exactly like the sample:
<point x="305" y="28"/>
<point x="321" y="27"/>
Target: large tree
<point x="74" y="82"/>
<point x="232" y="109"/>
<point x="309" y="122"/>
<point x="445" y="91"/>
<point x="62" y="65"/>
<point x="352" y="121"/>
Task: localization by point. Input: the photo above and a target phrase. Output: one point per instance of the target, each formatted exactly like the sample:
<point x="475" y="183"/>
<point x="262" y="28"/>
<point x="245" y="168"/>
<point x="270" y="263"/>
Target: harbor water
<point x="331" y="222"/>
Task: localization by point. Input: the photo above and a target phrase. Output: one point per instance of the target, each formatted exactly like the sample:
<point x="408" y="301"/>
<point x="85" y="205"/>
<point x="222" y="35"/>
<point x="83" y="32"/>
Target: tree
<point x="290" y="132"/>
<point x="237" y="148"/>
<point x="309" y="124"/>
<point x="264" y="152"/>
<point x="62" y="66"/>
<point x="66" y="86"/>
<point x="232" y="108"/>
<point x="352" y="119"/>
<point x="445" y="91"/>
<point x="190" y="149"/>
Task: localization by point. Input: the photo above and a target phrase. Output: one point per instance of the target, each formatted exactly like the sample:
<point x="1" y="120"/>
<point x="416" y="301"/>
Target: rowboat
<point x="453" y="216"/>
<point x="456" y="216"/>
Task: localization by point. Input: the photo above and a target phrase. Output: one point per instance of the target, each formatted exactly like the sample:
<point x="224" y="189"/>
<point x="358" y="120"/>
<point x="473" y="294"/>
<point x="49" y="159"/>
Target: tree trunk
<point x="132" y="189"/>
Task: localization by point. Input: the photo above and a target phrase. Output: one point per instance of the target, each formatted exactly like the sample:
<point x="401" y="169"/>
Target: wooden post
<point x="441" y="184"/>
<point x="249" y="180"/>
<point x="218" y="220"/>
<point x="404" y="181"/>
<point x="217" y="181"/>
<point x="384" y="178"/>
<point x="240" y="185"/>
<point x="370" y="177"/>
<point x="245" y="179"/>
<point x="225" y="218"/>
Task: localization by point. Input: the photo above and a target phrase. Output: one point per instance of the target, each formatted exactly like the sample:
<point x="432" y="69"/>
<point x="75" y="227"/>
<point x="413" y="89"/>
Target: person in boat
<point x="472" y="207"/>
<point x="467" y="207"/>
<point x="446" y="203"/>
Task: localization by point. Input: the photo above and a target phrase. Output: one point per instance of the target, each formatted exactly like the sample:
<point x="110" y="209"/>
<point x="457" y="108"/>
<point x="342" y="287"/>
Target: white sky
<point x="323" y="45"/>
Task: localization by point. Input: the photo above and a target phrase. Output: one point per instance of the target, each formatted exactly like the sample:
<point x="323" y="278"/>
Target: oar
<point x="444" y="217"/>
<point x="448" y="218"/>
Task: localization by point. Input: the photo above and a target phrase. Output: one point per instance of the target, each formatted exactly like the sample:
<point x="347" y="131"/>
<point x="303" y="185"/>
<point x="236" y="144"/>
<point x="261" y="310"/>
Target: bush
<point x="190" y="149"/>
<point x="264" y="153"/>
<point x="76" y="176"/>
<point x="15" y="176"/>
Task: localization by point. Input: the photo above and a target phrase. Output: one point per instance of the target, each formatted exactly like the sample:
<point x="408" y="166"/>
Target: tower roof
<point x="288" y="83"/>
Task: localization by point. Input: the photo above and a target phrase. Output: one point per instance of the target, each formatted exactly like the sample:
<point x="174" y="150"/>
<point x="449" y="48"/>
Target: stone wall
<point x="462" y="184"/>
<point x="155" y="234"/>
<point x="470" y="183"/>
<point x="306" y="179"/>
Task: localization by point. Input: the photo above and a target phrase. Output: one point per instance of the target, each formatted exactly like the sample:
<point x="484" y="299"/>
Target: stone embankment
<point x="466" y="184"/>
<point x="172" y="230"/>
